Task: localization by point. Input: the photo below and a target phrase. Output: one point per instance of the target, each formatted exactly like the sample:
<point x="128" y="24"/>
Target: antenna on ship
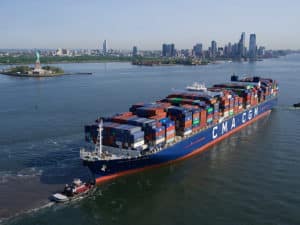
<point x="99" y="146"/>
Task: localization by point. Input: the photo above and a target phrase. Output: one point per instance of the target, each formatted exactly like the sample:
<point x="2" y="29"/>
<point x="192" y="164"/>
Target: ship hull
<point x="103" y="170"/>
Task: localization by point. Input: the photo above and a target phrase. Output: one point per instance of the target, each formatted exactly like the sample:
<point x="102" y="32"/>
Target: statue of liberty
<point x="37" y="62"/>
<point x="37" y="56"/>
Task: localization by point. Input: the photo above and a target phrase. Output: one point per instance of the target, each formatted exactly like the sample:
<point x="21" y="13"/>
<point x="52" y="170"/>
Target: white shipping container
<point x="170" y="132"/>
<point x="187" y="132"/>
<point x="138" y="144"/>
<point x="170" y="140"/>
<point x="119" y="143"/>
<point x="161" y="140"/>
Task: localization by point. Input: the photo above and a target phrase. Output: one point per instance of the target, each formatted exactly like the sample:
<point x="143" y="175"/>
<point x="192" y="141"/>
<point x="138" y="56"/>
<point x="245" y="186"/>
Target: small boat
<point x="197" y="87"/>
<point x="72" y="191"/>
<point x="58" y="197"/>
<point x="297" y="105"/>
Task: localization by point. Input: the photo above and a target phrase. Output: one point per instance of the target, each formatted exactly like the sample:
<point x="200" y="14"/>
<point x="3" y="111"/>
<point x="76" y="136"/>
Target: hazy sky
<point x="147" y="24"/>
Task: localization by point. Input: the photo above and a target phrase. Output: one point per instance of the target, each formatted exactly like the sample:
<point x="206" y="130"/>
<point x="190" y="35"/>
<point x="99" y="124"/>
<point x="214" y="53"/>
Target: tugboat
<point x="72" y="191"/>
<point x="297" y="105"/>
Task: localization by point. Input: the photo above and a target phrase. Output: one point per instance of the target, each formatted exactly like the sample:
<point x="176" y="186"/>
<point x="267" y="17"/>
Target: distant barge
<point x="297" y="105"/>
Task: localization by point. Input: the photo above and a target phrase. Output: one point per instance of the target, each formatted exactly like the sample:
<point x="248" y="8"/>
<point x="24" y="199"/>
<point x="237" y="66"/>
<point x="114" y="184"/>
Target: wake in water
<point x="50" y="205"/>
<point x="293" y="108"/>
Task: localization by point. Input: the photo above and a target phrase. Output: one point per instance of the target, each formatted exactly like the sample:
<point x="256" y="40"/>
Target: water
<point x="250" y="178"/>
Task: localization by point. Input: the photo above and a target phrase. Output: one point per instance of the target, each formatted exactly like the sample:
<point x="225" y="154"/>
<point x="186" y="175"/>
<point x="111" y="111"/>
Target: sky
<point x="147" y="23"/>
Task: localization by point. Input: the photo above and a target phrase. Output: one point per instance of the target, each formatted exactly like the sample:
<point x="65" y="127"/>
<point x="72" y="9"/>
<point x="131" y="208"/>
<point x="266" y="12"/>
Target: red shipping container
<point x="158" y="117"/>
<point x="170" y="136"/>
<point x="126" y="114"/>
<point x="185" y="124"/>
<point x="170" y="128"/>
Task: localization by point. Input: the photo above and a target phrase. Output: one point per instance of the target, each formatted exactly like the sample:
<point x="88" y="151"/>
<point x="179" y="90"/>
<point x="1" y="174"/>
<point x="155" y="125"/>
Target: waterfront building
<point x="213" y="49"/>
<point x="62" y="52"/>
<point x="252" y="46"/>
<point x="59" y="52"/>
<point x="104" y="48"/>
<point x="197" y="50"/>
<point x="228" y="50"/>
<point x="185" y="53"/>
<point x="168" y="50"/>
<point x="235" y="50"/>
<point x="134" y="51"/>
<point x="220" y="51"/>
<point x="241" y="46"/>
<point x="261" y="51"/>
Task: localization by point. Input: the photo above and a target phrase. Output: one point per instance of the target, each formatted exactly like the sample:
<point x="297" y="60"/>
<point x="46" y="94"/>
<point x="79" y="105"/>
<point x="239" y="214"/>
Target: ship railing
<point x="87" y="155"/>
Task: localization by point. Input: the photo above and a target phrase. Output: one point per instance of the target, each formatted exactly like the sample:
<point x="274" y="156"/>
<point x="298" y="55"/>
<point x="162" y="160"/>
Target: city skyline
<point x="146" y="25"/>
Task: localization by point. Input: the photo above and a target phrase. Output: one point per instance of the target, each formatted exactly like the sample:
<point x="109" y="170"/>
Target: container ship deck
<point x="181" y="125"/>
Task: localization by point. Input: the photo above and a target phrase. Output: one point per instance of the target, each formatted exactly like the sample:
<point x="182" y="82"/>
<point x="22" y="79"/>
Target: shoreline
<point x="69" y="62"/>
<point x="130" y="61"/>
<point x="39" y="76"/>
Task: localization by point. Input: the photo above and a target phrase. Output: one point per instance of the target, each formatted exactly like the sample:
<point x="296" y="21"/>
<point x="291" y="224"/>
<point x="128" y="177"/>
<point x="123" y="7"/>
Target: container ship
<point x="185" y="123"/>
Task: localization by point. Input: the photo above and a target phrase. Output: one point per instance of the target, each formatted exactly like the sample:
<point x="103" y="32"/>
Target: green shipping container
<point x="210" y="110"/>
<point x="196" y="122"/>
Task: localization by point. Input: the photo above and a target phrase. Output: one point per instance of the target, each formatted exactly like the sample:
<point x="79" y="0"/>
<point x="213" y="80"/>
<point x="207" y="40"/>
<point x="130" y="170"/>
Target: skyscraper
<point x="168" y="50"/>
<point x="228" y="50"/>
<point x="242" y="49"/>
<point x="213" y="49"/>
<point x="104" y="50"/>
<point x="134" y="51"/>
<point x="197" y="49"/>
<point x="252" y="46"/>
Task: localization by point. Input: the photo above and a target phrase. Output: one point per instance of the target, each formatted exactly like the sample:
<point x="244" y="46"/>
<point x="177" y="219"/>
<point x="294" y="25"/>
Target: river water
<point x="251" y="177"/>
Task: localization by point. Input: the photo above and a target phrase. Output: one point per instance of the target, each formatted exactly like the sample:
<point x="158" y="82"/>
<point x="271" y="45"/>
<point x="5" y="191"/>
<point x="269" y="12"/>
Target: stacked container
<point x="123" y="118"/>
<point x="196" y="119"/>
<point x="216" y="116"/>
<point x="224" y="106"/>
<point x="169" y="129"/>
<point x="231" y="106"/>
<point x="91" y="133"/>
<point x="149" y="111"/>
<point x="155" y="135"/>
<point x="240" y="109"/>
<point x="183" y="120"/>
<point x="247" y="99"/>
<point x="203" y="115"/>
<point x="134" y="107"/>
<point x="254" y="97"/>
<point x="195" y="116"/>
<point x="209" y="115"/>
<point x="123" y="135"/>
<point x="109" y="133"/>
<point x="236" y="104"/>
<point x="142" y="122"/>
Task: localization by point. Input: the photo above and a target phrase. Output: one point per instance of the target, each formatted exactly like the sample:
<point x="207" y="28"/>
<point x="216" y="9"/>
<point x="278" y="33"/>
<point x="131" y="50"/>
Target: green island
<point x="137" y="60"/>
<point x="33" y="72"/>
<point x="36" y="71"/>
<point x="167" y="61"/>
<point x="28" y="59"/>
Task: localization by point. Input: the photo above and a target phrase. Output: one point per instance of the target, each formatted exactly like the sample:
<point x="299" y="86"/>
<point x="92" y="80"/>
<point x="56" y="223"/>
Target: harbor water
<point x="252" y="177"/>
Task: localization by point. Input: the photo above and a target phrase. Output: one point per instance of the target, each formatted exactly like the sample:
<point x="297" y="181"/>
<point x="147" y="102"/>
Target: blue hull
<point x="187" y="147"/>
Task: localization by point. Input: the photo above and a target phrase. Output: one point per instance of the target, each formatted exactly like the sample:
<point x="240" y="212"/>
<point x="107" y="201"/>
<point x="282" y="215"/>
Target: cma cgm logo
<point x="228" y="125"/>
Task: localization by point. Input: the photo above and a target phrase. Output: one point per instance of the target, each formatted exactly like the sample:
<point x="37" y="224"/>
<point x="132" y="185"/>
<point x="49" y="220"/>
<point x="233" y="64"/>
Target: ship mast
<point x="99" y="139"/>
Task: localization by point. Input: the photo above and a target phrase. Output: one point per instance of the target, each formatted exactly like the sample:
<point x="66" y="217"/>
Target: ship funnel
<point x="234" y="77"/>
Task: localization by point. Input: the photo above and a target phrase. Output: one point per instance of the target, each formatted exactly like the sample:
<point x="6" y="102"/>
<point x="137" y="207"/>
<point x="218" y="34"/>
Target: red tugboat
<point x="72" y="191"/>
